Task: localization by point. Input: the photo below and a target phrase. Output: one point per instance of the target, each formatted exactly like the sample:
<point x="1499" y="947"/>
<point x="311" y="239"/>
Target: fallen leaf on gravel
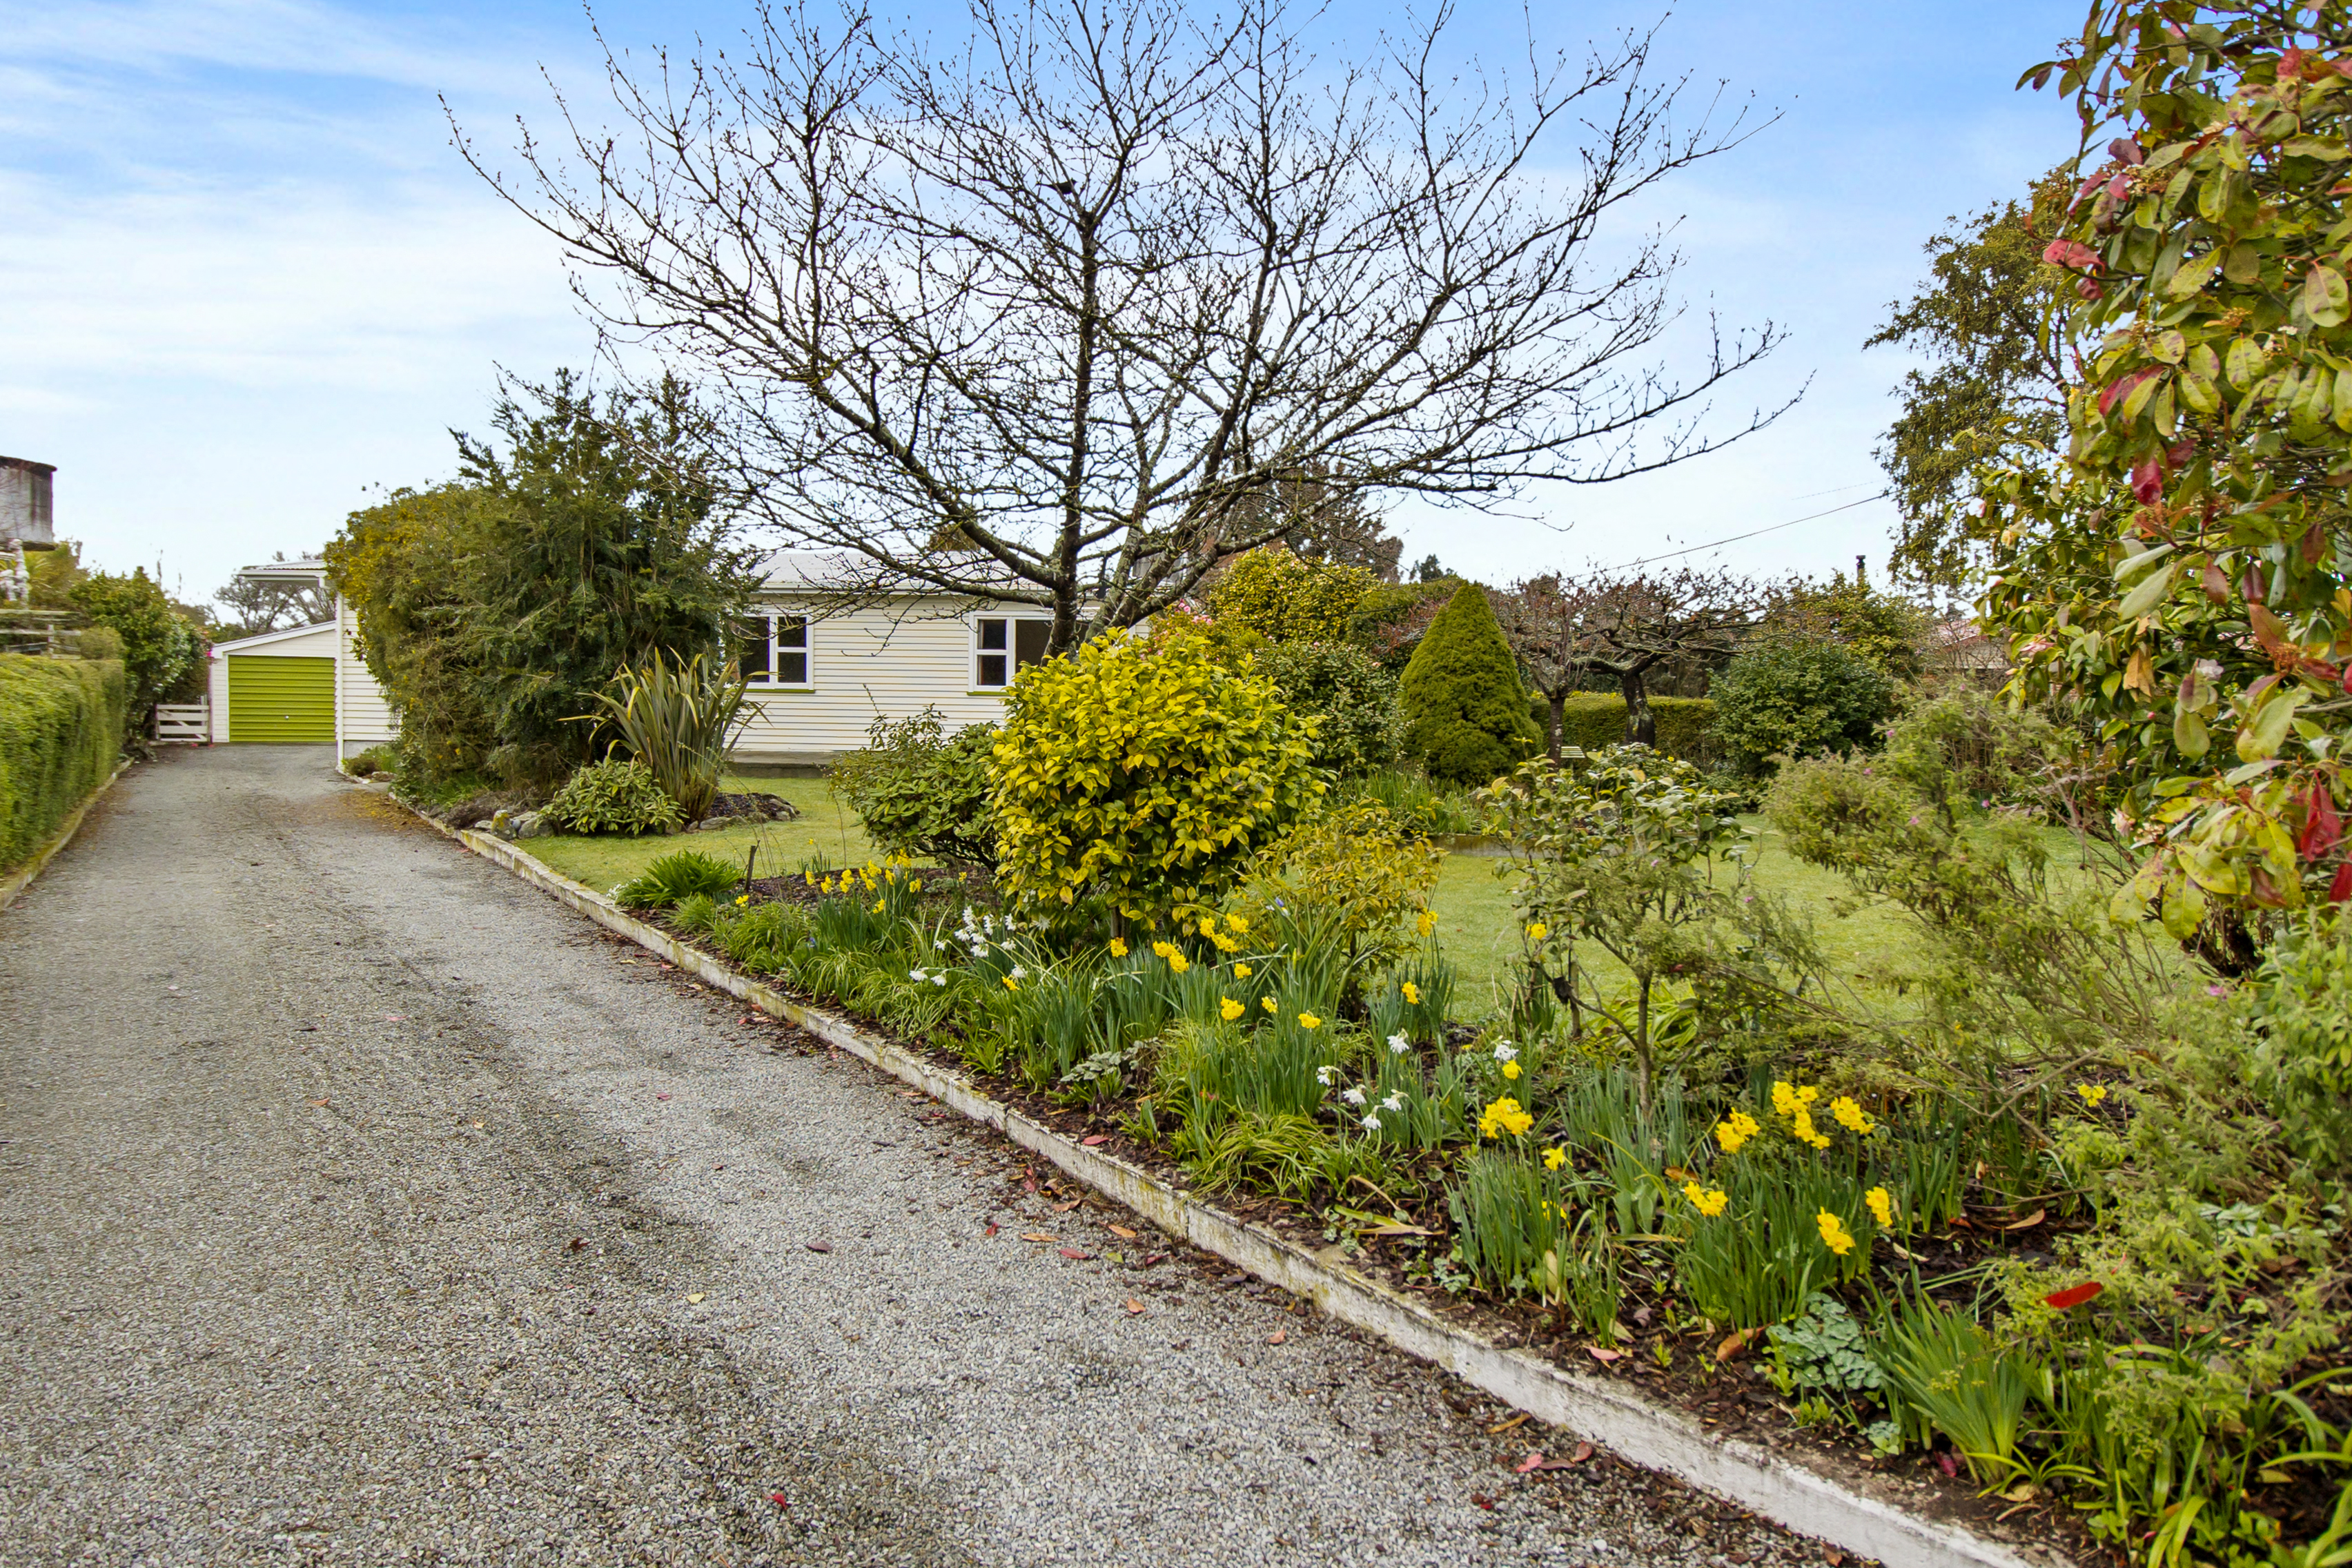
<point x="1393" y="1229"/>
<point x="1532" y="1462"/>
<point x="1833" y="1557"/>
<point x="1602" y="1357"/>
<point x="318" y="1102"/>
<point x="2029" y="1222"/>
<point x="1277" y="1337"/>
<point x="1035" y="1236"/>
<point x="1519" y="1420"/>
<point x="1075" y="1256"/>
<point x="1097" y="1140"/>
<point x="579" y="1243"/>
<point x="1134" y="1306"/>
<point x="1065" y="1209"/>
<point x="694" y="1297"/>
<point x="1122" y="1232"/>
<point x="820" y="1247"/>
<point x="1155" y="1258"/>
<point x="395" y="1018"/>
<point x="778" y="1498"/>
<point x="1948" y="1464"/>
<point x="1483" y="1500"/>
<point x="990" y="1231"/>
<point x="1734" y="1344"/>
<point x="1583" y="1452"/>
<point x="661" y="1097"/>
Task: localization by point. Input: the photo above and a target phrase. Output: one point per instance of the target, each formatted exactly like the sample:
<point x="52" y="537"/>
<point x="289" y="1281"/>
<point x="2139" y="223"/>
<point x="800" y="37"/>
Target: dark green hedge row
<point x="60" y="734"/>
<point x="1591" y="719"/>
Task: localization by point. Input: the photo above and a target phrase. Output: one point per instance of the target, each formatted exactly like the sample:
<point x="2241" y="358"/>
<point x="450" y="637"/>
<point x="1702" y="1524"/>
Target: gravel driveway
<point x="360" y="1203"/>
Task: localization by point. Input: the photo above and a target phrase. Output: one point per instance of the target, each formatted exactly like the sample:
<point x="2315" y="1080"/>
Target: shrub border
<point x="17" y="880"/>
<point x="1871" y="1522"/>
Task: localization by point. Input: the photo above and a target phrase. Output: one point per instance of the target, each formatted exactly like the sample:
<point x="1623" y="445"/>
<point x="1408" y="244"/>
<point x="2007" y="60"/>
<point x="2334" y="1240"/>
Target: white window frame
<point x="807" y="650"/>
<point x="972" y="682"/>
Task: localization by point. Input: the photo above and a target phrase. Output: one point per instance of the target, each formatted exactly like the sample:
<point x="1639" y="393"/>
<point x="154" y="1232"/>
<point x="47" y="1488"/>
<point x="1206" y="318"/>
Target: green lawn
<point x="824" y="830"/>
<point x="1471" y="901"/>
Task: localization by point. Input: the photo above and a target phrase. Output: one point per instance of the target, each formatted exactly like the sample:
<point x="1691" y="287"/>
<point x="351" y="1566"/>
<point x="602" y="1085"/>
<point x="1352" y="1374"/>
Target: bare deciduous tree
<point x="1622" y="624"/>
<point x="253" y="605"/>
<point x="1033" y="319"/>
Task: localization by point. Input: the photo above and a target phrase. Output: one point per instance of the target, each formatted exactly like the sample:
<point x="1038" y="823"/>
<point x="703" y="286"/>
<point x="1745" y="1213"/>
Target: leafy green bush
<point x="680" y="874"/>
<point x="493" y="610"/>
<point x="1591" y="720"/>
<point x="61" y="726"/>
<point x="616" y="796"/>
<point x="1142" y="776"/>
<point x="921" y="793"/>
<point x="1348" y="880"/>
<point x="1415" y="802"/>
<point x="1353" y="701"/>
<point x="679" y="719"/>
<point x="1286" y="598"/>
<point x="159" y="646"/>
<point x="1466" y="713"/>
<point x="1798" y="699"/>
<point x="368" y="764"/>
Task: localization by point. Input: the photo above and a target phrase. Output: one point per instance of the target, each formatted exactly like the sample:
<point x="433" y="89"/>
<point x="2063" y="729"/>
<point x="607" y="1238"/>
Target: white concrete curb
<point x="1596" y="1409"/>
<point x="17" y="880"/>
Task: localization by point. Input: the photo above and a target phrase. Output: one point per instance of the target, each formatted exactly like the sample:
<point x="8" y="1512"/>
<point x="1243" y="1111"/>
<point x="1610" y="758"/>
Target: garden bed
<point x="1720" y="1382"/>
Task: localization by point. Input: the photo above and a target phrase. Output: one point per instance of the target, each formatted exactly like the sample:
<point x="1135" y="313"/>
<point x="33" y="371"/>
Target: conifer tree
<point x="1466" y="717"/>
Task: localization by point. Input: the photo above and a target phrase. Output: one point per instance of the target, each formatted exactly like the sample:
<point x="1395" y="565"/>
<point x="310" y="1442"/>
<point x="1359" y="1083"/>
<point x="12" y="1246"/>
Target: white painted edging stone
<point x="1592" y="1408"/>
<point x="17" y="880"/>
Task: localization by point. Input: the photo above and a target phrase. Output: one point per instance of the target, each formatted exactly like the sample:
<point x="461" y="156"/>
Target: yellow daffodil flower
<point x="1850" y="1115"/>
<point x="1708" y="1201"/>
<point x="1412" y="995"/>
<point x="1425" y="923"/>
<point x="1882" y="1208"/>
<point x="1834" y="1235"/>
<point x="743" y="899"/>
<point x="1229" y="1009"/>
<point x="1118" y="947"/>
<point x="1266" y="1002"/>
<point x="1243" y="970"/>
<point x="1309" y="1021"/>
<point x="1555" y="1158"/>
<point x="1510" y="1069"/>
<point x="1505" y="1115"/>
<point x="1010" y="983"/>
<point x="1537" y="931"/>
<point x="1177" y="961"/>
<point x="1238" y="923"/>
<point x="2092" y="1094"/>
<point x="1736" y="1129"/>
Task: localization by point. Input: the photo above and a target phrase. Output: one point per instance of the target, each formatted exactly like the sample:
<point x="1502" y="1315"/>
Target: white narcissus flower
<point x="1353" y="1096"/>
<point x="917" y="975"/>
<point x="1393" y="1102"/>
<point x="1506" y="1052"/>
<point x="1019" y="973"/>
<point x="939" y="979"/>
<point x="1398" y="1044"/>
<point x="1372" y="1121"/>
<point x="1323" y="1075"/>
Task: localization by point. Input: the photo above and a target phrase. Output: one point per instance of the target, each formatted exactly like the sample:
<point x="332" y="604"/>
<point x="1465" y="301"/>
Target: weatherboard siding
<point x="367" y="718"/>
<point x="890" y="661"/>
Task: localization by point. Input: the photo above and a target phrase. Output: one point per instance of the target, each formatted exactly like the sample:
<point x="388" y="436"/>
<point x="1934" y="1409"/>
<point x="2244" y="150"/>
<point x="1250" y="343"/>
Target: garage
<point x="284" y="699"/>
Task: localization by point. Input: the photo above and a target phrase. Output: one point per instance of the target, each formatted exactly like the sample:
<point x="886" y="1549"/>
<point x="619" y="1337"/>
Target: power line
<point x="1753" y="533"/>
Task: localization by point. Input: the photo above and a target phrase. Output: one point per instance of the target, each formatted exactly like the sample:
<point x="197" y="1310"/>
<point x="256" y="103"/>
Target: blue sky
<point x="244" y="280"/>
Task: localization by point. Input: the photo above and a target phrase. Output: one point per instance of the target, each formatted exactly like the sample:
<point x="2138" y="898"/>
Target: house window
<point x="1004" y="646"/>
<point x="773" y="650"/>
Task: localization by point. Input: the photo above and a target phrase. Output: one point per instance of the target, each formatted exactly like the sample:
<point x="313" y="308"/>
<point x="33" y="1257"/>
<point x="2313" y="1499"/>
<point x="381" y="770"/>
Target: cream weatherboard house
<point x="819" y="673"/>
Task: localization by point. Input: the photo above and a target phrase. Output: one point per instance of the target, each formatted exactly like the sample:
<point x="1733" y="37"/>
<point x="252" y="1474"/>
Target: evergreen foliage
<point x="1466" y="714"/>
<point x="1352" y="698"/>
<point x="61" y="726"/>
<point x="1798" y="699"/>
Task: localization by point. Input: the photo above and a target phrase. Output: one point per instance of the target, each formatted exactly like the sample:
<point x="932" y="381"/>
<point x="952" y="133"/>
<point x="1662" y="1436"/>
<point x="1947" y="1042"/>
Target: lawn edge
<point x="1778" y="1487"/>
<point x="17" y="880"/>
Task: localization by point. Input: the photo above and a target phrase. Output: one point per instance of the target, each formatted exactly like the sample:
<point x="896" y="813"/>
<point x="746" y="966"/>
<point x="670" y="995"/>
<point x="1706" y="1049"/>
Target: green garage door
<point x="280" y="699"/>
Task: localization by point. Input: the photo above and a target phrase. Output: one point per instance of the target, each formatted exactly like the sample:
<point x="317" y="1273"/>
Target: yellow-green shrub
<point x="60" y="731"/>
<point x="1142" y="775"/>
<point x="1284" y="598"/>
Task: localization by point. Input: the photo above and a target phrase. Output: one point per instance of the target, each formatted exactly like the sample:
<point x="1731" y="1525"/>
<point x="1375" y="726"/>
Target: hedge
<point x="61" y="726"/>
<point x="1591" y="719"/>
